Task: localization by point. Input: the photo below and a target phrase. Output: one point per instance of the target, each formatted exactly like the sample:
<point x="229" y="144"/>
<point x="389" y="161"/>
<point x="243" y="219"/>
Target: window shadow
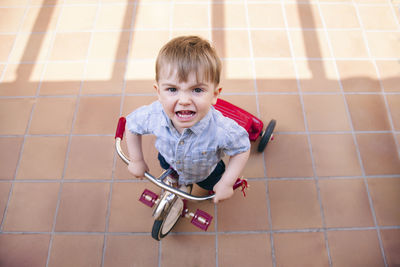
<point x="314" y="64"/>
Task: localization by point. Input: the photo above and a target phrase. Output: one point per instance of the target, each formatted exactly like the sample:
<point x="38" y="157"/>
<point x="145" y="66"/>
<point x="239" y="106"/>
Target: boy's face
<point x="185" y="103"/>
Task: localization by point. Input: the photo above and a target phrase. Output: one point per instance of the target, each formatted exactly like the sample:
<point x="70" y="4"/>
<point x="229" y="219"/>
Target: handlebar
<point x="118" y="138"/>
<point x="159" y="182"/>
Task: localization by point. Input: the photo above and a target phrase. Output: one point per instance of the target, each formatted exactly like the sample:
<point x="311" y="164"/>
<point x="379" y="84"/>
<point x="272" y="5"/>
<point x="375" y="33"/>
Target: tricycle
<point x="171" y="204"/>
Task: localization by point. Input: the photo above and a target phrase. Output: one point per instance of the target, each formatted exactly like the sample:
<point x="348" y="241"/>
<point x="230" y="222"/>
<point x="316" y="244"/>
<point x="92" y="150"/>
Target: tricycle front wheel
<point x="164" y="225"/>
<point x="266" y="136"/>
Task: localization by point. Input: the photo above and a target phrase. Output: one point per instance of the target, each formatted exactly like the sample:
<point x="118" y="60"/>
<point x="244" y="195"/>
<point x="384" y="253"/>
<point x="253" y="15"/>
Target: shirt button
<point x="181" y="142"/>
<point x="178" y="162"/>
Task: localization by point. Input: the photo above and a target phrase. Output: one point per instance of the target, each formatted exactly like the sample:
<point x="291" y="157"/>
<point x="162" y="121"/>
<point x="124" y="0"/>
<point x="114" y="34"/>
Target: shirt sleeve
<point x="236" y="139"/>
<point x="138" y="121"/>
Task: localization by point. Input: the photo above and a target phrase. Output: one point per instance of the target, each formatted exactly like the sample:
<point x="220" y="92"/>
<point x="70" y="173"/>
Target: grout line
<point x="73" y="120"/>
<point x="395" y="16"/>
<point x="132" y="22"/>
<point x="279" y="231"/>
<point x="108" y="209"/>
<point x="254" y="73"/>
<point x="8" y="61"/>
<point x="159" y="253"/>
<point x="200" y="29"/>
<point x="2" y="75"/>
<point x="171" y="19"/>
<point x="352" y="127"/>
<point x="275" y="133"/>
<point x="210" y="16"/>
<point x="104" y="60"/>
<point x="271" y="237"/>
<point x="52" y="233"/>
<point x="139" y="29"/>
<point x="342" y="90"/>
<point x="223" y="94"/>
<point x="249" y="179"/>
<point x="371" y="204"/>
<point x="382" y="92"/>
<point x="13" y="47"/>
<point x="389" y="114"/>
<point x="216" y="234"/>
<point x="210" y="38"/>
<point x="253" y="67"/>
<point x="397" y="19"/>
<point x="314" y="168"/>
<point x="123" y="93"/>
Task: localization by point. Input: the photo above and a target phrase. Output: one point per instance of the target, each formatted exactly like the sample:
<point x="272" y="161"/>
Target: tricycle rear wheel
<point x="266" y="136"/>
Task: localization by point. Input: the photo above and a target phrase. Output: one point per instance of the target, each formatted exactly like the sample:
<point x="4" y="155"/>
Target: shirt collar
<point x="166" y="122"/>
<point x="199" y="127"/>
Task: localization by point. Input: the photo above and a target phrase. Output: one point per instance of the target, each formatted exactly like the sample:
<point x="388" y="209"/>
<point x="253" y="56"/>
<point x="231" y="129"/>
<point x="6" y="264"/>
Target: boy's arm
<point x="137" y="166"/>
<point x="224" y="188"/>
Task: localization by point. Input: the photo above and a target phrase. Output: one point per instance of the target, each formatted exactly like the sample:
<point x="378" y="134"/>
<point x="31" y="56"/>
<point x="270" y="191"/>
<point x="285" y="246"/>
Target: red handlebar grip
<point x="239" y="182"/>
<point x="120" y="128"/>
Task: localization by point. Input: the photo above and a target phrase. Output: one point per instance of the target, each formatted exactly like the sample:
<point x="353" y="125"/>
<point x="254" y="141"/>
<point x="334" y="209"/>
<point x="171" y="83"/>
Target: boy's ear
<point x="155" y="85"/>
<point x="217" y="92"/>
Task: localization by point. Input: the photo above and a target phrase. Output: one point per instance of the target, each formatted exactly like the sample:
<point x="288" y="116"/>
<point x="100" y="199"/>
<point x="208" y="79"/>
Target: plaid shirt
<point x="195" y="153"/>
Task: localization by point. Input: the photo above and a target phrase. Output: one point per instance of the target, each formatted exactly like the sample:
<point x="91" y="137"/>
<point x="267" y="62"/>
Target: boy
<point x="191" y="136"/>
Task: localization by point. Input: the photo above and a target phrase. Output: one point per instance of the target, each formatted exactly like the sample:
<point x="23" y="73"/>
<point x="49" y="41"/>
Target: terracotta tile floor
<point x="326" y="191"/>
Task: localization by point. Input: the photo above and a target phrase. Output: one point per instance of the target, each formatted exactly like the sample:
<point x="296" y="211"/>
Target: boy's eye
<point x="198" y="90"/>
<point x="171" y="89"/>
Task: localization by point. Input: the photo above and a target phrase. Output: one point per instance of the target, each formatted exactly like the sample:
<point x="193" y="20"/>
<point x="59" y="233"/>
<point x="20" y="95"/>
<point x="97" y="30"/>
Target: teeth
<point x="185" y="114"/>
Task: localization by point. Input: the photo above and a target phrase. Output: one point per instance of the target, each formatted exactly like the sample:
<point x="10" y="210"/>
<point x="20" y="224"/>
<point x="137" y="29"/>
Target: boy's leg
<point x="163" y="163"/>
<point x="209" y="182"/>
<point x="214" y="177"/>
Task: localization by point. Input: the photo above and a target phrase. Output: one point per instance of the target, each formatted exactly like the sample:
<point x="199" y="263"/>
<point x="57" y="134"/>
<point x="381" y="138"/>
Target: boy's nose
<point x="184" y="99"/>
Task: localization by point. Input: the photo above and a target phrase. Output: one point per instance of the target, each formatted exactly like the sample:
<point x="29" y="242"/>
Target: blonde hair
<point x="186" y="54"/>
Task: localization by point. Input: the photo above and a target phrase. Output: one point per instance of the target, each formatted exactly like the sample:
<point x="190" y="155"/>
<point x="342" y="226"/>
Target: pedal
<point x="202" y="219"/>
<point x="148" y="198"/>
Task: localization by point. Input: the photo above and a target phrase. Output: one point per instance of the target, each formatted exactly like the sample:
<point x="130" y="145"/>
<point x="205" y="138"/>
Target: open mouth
<point x="185" y="114"/>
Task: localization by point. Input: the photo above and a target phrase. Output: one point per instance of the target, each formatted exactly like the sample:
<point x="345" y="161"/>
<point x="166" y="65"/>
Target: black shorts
<point x="207" y="183"/>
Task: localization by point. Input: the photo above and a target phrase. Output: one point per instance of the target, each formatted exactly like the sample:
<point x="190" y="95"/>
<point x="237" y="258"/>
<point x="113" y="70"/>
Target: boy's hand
<point x="138" y="168"/>
<point x="222" y="191"/>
